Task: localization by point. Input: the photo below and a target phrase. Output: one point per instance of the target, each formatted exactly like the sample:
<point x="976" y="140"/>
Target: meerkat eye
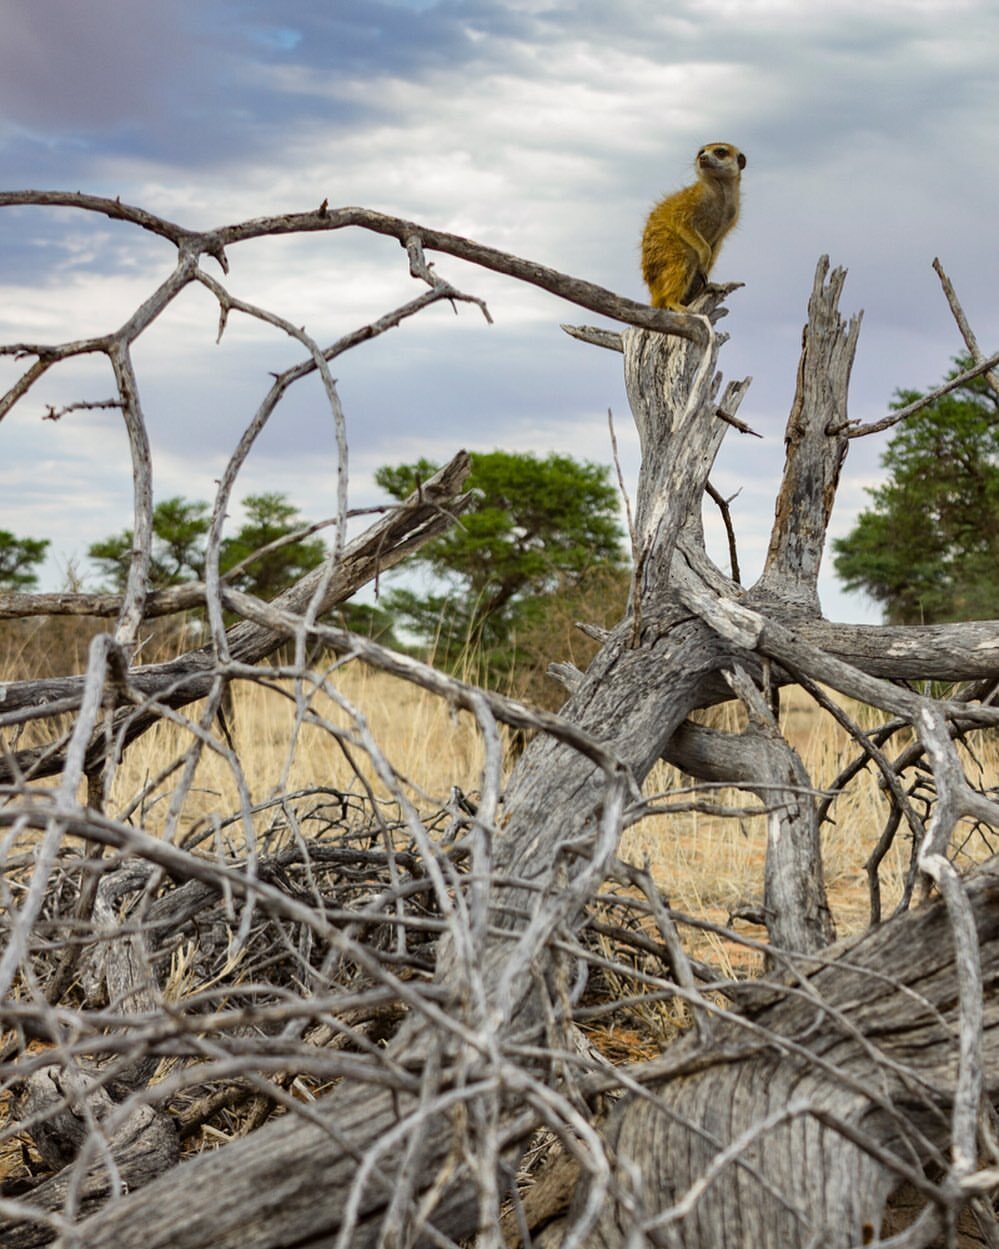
<point x="721" y="151"/>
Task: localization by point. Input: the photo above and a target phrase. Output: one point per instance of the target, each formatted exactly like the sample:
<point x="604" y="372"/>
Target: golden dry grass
<point x="321" y="740"/>
<point x="712" y="866"/>
<point x="708" y="866"/>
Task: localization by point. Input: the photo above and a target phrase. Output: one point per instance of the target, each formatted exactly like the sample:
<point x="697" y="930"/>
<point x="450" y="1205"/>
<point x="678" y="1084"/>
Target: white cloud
<point x="546" y="129"/>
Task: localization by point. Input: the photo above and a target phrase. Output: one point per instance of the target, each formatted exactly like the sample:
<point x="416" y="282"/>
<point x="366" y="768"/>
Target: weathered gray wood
<point x="122" y="963"/>
<point x="815" y="445"/>
<point x="796" y="909"/>
<point x="885" y="1004"/>
<point x="143" y="1143"/>
<point x="634" y="696"/>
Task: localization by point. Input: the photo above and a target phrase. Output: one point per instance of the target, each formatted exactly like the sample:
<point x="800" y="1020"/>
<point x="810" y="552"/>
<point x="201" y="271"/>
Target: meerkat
<point x="684" y="232"/>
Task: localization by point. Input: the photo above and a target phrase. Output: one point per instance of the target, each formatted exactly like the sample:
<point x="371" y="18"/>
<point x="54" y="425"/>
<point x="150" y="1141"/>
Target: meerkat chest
<point x="717" y="210"/>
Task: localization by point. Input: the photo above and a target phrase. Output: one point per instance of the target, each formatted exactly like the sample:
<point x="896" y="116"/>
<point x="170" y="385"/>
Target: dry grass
<point x="283" y="744"/>
<point x="708" y="866"/>
<point x="712" y="867"/>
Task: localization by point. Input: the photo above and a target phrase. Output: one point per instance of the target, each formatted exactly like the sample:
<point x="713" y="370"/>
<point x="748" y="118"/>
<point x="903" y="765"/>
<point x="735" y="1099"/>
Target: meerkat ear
<point x="742" y="161"/>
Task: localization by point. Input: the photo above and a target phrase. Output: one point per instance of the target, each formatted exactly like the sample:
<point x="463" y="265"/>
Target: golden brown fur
<point x="684" y="232"/>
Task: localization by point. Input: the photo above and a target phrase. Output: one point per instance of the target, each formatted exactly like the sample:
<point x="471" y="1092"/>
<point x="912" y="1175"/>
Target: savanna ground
<point x="708" y="866"/>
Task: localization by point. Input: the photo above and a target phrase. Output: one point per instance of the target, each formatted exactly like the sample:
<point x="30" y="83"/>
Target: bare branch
<point x="815" y="450"/>
<point x="963" y="325"/>
<point x="726" y="514"/>
<point x="924" y="401"/>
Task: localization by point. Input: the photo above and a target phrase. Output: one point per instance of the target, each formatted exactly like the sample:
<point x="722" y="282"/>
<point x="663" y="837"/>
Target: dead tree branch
<point x="375" y="999"/>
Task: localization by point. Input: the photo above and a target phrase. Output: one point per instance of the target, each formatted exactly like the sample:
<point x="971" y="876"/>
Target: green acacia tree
<point x="538" y="526"/>
<point x="927" y="549"/>
<point x="180" y="528"/>
<point x="18" y="560"/>
<point x="270" y="516"/>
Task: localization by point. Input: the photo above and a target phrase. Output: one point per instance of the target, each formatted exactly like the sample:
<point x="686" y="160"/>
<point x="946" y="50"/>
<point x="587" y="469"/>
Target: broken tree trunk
<point x="820" y="1100"/>
<point x="807" y="1071"/>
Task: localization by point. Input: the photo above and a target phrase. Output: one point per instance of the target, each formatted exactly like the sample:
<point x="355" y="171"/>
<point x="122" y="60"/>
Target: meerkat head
<point x="720" y="160"/>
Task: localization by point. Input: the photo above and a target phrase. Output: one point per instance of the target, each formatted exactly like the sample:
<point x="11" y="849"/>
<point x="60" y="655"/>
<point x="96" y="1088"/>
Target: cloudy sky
<point x="543" y="127"/>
